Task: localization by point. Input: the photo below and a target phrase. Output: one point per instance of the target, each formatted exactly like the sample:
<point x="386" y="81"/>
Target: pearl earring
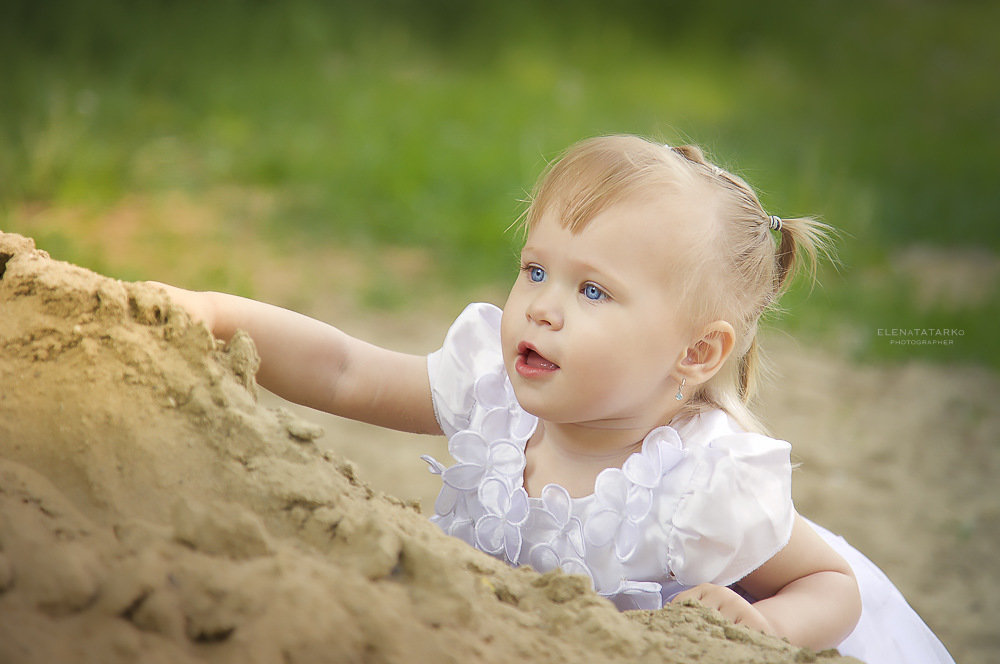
<point x="680" y="395"/>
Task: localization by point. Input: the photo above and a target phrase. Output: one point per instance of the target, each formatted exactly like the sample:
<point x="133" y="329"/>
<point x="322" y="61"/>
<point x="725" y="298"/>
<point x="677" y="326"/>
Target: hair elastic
<point x="775" y="222"/>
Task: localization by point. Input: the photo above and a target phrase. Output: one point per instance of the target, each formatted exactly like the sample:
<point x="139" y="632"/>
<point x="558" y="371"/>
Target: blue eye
<point x="536" y="273"/>
<point x="593" y="292"/>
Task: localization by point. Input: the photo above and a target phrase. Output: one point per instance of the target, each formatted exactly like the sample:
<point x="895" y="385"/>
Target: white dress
<point x="651" y="528"/>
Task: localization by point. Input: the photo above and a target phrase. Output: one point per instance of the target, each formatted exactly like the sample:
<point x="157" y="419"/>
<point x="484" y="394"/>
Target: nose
<point x="545" y="309"/>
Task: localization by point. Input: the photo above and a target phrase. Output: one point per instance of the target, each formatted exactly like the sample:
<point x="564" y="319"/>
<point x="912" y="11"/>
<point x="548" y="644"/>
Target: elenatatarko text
<point x="921" y="335"/>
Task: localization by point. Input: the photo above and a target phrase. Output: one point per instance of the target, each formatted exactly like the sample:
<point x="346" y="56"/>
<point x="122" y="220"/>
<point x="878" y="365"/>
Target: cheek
<point x="513" y="309"/>
<point x="600" y="355"/>
<point x="663" y="333"/>
<point x="512" y="305"/>
<point x="650" y="357"/>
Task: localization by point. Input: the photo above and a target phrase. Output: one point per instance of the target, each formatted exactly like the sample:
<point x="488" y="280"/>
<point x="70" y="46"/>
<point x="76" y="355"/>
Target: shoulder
<point x="470" y="360"/>
<point x="714" y="438"/>
<point x="476" y="328"/>
<point x="716" y="428"/>
<point x="734" y="511"/>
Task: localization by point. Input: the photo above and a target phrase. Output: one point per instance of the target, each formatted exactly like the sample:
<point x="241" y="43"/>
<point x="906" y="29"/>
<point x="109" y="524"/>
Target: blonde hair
<point x="737" y="272"/>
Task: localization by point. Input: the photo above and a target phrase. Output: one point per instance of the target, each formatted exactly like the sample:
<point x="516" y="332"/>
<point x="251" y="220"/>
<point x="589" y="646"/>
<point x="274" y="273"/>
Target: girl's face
<point x="594" y="325"/>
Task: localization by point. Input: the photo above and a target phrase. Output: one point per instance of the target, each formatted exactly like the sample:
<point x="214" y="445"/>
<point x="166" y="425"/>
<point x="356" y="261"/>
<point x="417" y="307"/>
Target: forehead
<point x="644" y="237"/>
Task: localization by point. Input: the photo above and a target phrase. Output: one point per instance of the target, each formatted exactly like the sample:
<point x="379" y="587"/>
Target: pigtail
<point x="765" y="255"/>
<point x="801" y="243"/>
<point x="803" y="240"/>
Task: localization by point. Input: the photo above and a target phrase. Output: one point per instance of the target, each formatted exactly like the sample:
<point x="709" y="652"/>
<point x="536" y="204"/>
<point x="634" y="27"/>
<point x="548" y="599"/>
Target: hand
<point x="195" y="303"/>
<point x="731" y="605"/>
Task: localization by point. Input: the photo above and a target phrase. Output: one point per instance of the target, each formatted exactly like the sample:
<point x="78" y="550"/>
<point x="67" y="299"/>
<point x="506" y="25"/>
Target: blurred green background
<point x="290" y="150"/>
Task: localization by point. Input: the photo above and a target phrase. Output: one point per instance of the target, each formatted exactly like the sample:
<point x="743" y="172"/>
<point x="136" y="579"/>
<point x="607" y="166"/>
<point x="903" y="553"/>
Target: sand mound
<point x="151" y="510"/>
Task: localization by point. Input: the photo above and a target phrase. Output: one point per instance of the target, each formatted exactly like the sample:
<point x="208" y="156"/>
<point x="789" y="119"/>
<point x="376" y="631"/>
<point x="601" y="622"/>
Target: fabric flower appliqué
<point x="544" y="558"/>
<point x="477" y="459"/>
<point x="625" y="495"/>
<point x="499" y="530"/>
<point x="631" y="595"/>
<point x="661" y="451"/>
<point x="554" y="523"/>
<point x="559" y="532"/>
<point x="451" y="498"/>
<point x="494" y="392"/>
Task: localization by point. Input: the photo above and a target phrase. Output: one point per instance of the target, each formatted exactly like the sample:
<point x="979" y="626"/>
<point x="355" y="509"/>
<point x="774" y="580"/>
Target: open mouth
<point x="531" y="363"/>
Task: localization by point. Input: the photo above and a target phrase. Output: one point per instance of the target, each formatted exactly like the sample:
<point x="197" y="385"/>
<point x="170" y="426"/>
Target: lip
<point x="526" y="370"/>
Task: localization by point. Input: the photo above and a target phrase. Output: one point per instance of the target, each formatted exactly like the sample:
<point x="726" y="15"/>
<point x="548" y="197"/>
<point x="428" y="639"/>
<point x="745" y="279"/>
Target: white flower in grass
<point x="499" y="530"/>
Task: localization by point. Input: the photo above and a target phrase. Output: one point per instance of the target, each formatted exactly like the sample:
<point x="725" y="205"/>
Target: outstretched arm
<point x="810" y="593"/>
<point x="317" y="365"/>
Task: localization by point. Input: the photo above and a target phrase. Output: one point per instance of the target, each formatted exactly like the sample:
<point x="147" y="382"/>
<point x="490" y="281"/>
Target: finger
<point x="695" y="594"/>
<point x="708" y="595"/>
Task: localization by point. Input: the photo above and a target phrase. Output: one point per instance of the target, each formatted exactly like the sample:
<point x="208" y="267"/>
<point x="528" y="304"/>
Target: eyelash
<point x="603" y="295"/>
<point x="528" y="268"/>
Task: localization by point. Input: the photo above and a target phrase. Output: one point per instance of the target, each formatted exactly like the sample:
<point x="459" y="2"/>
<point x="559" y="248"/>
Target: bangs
<point x="597" y="173"/>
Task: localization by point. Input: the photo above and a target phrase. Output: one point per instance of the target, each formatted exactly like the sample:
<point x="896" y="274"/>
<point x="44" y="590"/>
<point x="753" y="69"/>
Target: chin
<point x="543" y="408"/>
<point x="531" y="403"/>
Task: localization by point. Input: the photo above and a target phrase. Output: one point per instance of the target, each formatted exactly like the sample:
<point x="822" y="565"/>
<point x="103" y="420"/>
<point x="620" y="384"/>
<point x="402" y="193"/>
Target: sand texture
<point x="152" y="510"/>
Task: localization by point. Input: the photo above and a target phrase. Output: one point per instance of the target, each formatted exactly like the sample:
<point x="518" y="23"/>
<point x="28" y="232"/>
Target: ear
<point x="707" y="353"/>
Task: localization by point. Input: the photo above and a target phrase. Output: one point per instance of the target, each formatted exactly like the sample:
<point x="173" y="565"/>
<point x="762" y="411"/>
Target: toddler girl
<point x="600" y="421"/>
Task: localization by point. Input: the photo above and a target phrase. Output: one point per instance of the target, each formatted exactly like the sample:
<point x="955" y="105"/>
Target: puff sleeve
<point x="469" y="356"/>
<point x="736" y="511"/>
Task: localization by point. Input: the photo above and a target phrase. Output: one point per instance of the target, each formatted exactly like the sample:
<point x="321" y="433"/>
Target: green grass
<point x="423" y="124"/>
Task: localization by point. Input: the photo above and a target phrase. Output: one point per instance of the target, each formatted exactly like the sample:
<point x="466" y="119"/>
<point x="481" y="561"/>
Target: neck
<point x="573" y="455"/>
<point x="607" y="439"/>
<point x="594" y="444"/>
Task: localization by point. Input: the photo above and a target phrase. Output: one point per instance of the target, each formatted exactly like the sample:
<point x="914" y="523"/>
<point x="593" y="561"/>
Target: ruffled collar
<point x="483" y="500"/>
<point x="661" y="449"/>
